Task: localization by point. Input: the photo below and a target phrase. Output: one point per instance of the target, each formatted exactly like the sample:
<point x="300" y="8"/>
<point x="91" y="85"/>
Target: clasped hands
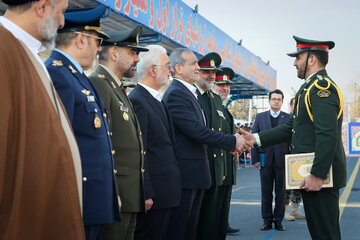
<point x="244" y="142"/>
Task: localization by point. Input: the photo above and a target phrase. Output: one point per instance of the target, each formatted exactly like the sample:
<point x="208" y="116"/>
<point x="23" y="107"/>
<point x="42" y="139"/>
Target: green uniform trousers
<point x="322" y="213"/>
<point x="213" y="223"/>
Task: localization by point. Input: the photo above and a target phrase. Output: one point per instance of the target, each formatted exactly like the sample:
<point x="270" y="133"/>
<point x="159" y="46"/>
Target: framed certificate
<point x="298" y="166"/>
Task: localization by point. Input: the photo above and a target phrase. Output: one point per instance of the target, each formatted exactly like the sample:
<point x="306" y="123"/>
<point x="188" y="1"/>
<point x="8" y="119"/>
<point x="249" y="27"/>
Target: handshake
<point x="244" y="142"/>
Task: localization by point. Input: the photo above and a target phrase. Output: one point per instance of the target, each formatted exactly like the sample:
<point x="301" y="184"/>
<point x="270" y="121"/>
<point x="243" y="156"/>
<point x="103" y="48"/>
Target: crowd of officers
<point x="85" y="160"/>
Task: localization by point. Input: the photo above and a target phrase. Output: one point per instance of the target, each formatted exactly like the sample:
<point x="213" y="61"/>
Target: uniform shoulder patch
<point x="323" y="93"/>
<point x="57" y="63"/>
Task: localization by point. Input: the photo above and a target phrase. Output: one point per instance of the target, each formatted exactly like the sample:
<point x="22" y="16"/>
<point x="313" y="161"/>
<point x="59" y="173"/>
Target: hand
<point x="248" y="137"/>
<point x="148" y="204"/>
<point x="257" y="164"/>
<point x="119" y="202"/>
<point x="241" y="144"/>
<point x="311" y="183"/>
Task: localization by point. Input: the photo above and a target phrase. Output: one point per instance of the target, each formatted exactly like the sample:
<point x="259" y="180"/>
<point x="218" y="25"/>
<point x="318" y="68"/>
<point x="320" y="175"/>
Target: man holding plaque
<point x="271" y="162"/>
<point x="315" y="127"/>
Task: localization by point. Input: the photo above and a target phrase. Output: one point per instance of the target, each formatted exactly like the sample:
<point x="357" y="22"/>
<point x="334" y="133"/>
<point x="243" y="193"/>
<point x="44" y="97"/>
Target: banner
<point x="179" y="23"/>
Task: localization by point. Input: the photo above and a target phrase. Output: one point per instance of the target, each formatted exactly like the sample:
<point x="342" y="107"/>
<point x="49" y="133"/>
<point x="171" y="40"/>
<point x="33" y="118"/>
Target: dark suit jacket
<point x="126" y="139"/>
<point x="163" y="182"/>
<point x="83" y="105"/>
<point x="262" y="123"/>
<point x="192" y="135"/>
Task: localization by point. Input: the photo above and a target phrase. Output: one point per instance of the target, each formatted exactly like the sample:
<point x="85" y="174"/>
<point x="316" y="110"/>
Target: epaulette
<point x="322" y="84"/>
<point x="57" y="63"/>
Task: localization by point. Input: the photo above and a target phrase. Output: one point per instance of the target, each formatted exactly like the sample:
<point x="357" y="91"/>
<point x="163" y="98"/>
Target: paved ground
<point x="245" y="211"/>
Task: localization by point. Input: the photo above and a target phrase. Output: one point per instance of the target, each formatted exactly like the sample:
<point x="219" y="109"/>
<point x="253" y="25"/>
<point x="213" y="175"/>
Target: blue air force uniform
<point x="89" y="120"/>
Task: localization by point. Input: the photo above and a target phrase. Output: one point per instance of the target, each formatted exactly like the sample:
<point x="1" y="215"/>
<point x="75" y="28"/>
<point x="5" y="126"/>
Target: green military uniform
<point x="316" y="127"/>
<point x="127" y="142"/>
<point x="215" y="208"/>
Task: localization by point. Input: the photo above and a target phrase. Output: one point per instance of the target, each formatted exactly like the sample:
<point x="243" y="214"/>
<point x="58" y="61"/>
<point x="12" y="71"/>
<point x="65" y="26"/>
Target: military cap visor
<point x="128" y="38"/>
<point x="17" y="2"/>
<point x="210" y="61"/>
<point x="305" y="45"/>
<point x="84" y="20"/>
<point x="224" y="76"/>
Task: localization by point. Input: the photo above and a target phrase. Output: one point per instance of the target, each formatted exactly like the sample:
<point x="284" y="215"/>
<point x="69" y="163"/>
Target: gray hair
<point x="149" y="58"/>
<point x="176" y="56"/>
<point x="65" y="38"/>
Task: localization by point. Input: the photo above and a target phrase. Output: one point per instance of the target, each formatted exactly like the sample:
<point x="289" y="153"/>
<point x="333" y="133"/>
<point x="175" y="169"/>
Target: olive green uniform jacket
<point x="126" y="138"/>
<point x="231" y="164"/>
<point x="315" y="127"/>
<point x="213" y="107"/>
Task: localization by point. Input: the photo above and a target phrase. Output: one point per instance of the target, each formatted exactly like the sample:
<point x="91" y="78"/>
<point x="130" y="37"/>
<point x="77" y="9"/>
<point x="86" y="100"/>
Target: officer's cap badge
<point x="225" y="77"/>
<point x="212" y="63"/>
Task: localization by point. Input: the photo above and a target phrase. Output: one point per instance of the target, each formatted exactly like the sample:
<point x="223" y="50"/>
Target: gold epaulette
<point x="324" y="90"/>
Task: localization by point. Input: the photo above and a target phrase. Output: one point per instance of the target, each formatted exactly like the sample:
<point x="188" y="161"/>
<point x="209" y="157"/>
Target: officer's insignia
<point x="137" y="39"/>
<point x="319" y="77"/>
<point x="307" y="80"/>
<point x="72" y="69"/>
<point x="101" y="75"/>
<point x="57" y="63"/>
<point x="126" y="116"/>
<point x="225" y="77"/>
<point x="212" y="63"/>
<point x="86" y="92"/>
<point x="211" y="94"/>
<point x="97" y="121"/>
<point x="220" y="113"/>
<point x="113" y="85"/>
<point x="323" y="93"/>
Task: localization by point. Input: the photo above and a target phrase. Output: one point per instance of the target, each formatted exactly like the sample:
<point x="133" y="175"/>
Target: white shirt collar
<point x="274" y="114"/>
<point x="192" y="88"/>
<point x="156" y="94"/>
<point x="34" y="45"/>
<point x="113" y="75"/>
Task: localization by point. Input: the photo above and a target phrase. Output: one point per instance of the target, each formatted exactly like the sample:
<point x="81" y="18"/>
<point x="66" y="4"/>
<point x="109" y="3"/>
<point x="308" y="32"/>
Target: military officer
<point x="214" y="208"/>
<point x="118" y="58"/>
<point x="77" y="46"/>
<point x="315" y="127"/>
<point x="222" y="88"/>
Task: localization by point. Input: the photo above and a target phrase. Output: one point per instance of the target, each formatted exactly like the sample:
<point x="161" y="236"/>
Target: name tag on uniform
<point x="220" y="113"/>
<point x="91" y="98"/>
<point x="124" y="109"/>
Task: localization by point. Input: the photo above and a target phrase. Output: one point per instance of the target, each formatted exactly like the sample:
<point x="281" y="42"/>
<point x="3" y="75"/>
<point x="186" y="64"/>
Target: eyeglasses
<point x="100" y="40"/>
<point x="166" y="65"/>
<point x="276" y="99"/>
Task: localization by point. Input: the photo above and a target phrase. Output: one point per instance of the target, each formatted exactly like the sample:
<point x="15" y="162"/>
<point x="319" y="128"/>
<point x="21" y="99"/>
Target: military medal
<point x="125" y="116"/>
<point x="97" y="121"/>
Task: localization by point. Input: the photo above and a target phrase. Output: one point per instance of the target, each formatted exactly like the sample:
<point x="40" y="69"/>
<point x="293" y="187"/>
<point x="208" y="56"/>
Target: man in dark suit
<point x="222" y="88"/>
<point x="118" y="58"/>
<point x="192" y="137"/>
<point x="271" y="162"/>
<point x="316" y="127"/>
<point x="215" y="206"/>
<point x="163" y="183"/>
<point x="77" y="47"/>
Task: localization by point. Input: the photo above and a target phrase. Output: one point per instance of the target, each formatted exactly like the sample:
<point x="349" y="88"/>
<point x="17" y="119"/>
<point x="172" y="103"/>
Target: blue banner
<point x="178" y="22"/>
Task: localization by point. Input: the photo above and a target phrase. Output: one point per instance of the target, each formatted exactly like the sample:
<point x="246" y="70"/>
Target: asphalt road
<point x="245" y="210"/>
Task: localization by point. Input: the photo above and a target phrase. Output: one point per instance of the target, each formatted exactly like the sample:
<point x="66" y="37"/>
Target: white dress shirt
<point x="34" y="45"/>
<point x="156" y="94"/>
<point x="192" y="88"/>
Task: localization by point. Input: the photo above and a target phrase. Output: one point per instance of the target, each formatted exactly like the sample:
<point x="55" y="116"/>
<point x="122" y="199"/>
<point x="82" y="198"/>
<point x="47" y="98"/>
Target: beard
<point x="204" y="84"/>
<point x="130" y="73"/>
<point x="48" y="29"/>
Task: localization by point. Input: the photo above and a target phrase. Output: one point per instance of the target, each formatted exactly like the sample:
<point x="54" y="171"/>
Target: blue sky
<point x="267" y="27"/>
